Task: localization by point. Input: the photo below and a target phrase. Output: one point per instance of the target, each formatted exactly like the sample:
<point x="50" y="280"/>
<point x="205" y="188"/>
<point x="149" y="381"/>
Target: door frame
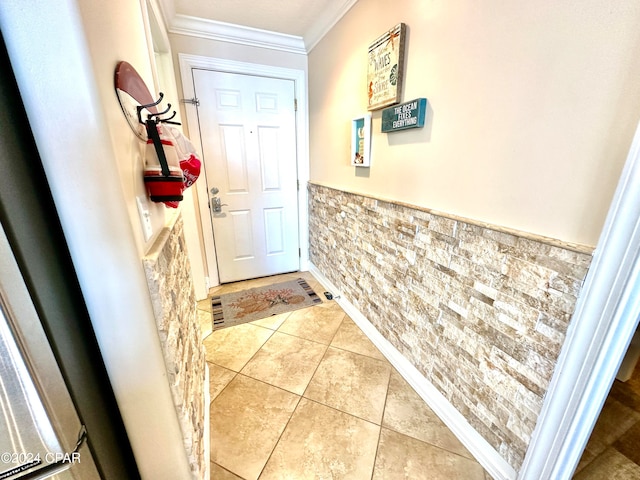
<point x="605" y="319"/>
<point x="299" y="78"/>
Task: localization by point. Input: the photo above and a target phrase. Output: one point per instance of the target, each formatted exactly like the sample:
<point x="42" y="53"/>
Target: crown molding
<point x="226" y="32"/>
<point x="324" y="23"/>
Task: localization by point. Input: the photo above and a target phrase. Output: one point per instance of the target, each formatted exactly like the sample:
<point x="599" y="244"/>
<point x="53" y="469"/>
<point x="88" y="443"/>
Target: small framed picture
<point x="361" y="141"/>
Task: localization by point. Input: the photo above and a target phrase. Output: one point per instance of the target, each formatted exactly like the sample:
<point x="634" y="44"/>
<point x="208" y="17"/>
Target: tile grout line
<point x="335" y="408"/>
<point x="302" y="396"/>
<point x="238" y="373"/>
<point x="348" y="351"/>
<point x="296" y="336"/>
<point x="235" y="374"/>
<point x="286" y="425"/>
<point x="281" y="434"/>
<point x="323" y="357"/>
<point x="262" y="346"/>
<point x="340" y="411"/>
<point x="384" y="409"/>
<point x="292" y="413"/>
<point x="259" y="348"/>
<point x="227" y="470"/>
<point x="362" y="354"/>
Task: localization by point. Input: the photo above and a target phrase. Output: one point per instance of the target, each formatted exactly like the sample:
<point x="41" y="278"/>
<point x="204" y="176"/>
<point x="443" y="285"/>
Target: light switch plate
<point x="145" y="218"/>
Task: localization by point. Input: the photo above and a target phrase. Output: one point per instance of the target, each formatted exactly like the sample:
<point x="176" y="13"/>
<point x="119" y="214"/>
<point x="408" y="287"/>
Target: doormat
<point x="248" y="305"/>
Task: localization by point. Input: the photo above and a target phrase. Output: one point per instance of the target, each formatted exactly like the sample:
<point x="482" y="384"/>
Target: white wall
<point x="93" y="166"/>
<point x="116" y="32"/>
<point x="532" y="107"/>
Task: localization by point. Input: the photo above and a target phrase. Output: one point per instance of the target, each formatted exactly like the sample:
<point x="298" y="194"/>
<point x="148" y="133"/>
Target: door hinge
<point x="295" y="104"/>
<point x="191" y="101"/>
<point x="299" y="252"/>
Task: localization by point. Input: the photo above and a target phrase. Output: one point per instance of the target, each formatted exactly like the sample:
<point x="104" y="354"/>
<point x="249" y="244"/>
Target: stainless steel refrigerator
<point x="41" y="435"/>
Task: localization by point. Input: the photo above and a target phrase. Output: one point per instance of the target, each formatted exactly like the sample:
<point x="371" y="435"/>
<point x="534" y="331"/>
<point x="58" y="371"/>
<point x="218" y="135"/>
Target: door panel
<point x="269" y="159"/>
<point x="243" y="234"/>
<point x="275" y="231"/>
<point x="235" y="158"/>
<point x="247" y="126"/>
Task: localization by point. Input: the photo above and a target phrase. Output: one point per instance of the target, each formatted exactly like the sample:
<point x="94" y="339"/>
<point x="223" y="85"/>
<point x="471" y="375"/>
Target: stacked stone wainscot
<point x="170" y="283"/>
<point x="479" y="310"/>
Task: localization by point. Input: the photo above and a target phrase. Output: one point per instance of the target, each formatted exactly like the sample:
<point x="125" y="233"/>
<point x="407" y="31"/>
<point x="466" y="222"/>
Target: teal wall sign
<point x="406" y="115"/>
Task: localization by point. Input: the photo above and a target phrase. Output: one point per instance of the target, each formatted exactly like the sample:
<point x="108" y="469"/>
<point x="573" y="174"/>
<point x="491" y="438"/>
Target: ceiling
<point x="309" y="20"/>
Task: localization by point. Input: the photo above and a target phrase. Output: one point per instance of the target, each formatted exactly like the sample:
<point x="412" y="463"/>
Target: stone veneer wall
<point x="480" y="311"/>
<point x="170" y="283"/>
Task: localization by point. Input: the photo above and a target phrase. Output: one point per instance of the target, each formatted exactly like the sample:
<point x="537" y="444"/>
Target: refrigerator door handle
<point x="65" y="459"/>
<point x="82" y="437"/>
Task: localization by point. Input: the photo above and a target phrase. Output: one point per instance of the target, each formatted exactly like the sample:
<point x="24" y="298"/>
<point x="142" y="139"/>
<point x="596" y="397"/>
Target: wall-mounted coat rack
<point x="167" y="171"/>
<point x="134" y="98"/>
<point x="155" y="116"/>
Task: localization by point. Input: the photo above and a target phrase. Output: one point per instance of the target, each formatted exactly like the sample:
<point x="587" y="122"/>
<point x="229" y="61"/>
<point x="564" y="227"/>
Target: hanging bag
<point x="162" y="175"/>
<point x="190" y="164"/>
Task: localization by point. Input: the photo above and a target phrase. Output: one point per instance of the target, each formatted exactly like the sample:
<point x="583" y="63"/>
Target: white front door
<point x="247" y="126"/>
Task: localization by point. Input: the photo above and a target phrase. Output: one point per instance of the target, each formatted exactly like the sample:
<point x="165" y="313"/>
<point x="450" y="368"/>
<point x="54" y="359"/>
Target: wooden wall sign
<point x="406" y="115"/>
<point x="385" y="69"/>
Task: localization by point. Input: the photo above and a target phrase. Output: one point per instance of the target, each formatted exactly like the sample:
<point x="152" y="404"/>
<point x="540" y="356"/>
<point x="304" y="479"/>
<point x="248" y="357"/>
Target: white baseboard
<point x="483" y="452"/>
<point x="207" y="425"/>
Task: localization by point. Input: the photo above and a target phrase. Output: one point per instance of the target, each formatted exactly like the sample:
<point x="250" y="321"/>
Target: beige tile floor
<point x="306" y="395"/>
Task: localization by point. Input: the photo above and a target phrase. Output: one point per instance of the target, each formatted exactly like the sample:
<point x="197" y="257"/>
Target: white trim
<point x="159" y="30"/>
<point x="201" y="192"/>
<point x="168" y="11"/>
<point x="483" y="452"/>
<point x="603" y="324"/>
<point x="147" y="19"/>
<point x="189" y="62"/>
<point x="227" y="32"/>
<point x="207" y="424"/>
<point x="164" y="79"/>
